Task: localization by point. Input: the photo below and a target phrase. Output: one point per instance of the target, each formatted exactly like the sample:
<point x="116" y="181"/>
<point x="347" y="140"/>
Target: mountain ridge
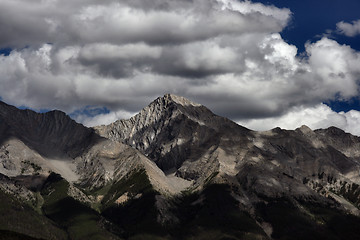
<point x="178" y="171"/>
<point x="37" y="129"/>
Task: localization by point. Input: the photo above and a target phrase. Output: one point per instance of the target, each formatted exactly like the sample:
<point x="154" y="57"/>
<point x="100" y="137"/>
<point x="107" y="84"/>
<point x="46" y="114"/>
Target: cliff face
<point x="177" y="171"/>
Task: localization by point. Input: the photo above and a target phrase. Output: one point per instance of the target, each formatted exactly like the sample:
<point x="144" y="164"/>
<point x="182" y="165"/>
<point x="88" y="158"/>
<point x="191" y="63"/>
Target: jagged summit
<point x="180" y="100"/>
<point x="152" y="112"/>
<point x="304" y="129"/>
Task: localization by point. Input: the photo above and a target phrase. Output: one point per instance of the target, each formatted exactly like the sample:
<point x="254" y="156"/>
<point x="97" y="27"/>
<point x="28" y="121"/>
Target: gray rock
<point x="185" y="137"/>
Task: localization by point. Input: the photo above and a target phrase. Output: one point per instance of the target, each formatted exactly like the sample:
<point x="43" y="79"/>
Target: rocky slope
<point x="176" y="171"/>
<point x="110" y="161"/>
<point x="179" y="135"/>
<point x="185" y="138"/>
<point x="188" y="139"/>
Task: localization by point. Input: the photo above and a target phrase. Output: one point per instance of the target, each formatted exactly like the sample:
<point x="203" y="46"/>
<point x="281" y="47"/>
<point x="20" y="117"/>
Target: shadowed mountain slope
<point x="52" y="134"/>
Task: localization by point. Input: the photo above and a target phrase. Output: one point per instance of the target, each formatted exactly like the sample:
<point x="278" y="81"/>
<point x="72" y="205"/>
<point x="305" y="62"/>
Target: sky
<point x="263" y="64"/>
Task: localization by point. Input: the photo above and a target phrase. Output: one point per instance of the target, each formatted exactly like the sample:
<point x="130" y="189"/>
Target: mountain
<point x="52" y="134"/>
<point x="188" y="139"/>
<point x="174" y="171"/>
<point x="179" y="135"/>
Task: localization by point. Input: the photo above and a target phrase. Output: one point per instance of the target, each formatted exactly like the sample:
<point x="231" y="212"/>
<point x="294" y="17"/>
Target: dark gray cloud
<point x="119" y="61"/>
<point x="153" y="22"/>
<point x="198" y="60"/>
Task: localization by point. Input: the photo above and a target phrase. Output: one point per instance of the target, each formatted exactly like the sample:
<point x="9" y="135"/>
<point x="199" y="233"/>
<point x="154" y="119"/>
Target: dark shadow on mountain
<point x="307" y="220"/>
<point x="52" y="134"/>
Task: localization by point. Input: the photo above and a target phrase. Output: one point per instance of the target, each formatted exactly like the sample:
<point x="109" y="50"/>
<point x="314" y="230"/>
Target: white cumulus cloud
<point x="315" y="117"/>
<point x="349" y="29"/>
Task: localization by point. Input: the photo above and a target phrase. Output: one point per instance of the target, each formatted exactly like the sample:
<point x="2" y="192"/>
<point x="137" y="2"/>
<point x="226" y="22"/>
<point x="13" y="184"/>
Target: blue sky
<point x="313" y="18"/>
<point x="262" y="64"/>
<point x="5" y="51"/>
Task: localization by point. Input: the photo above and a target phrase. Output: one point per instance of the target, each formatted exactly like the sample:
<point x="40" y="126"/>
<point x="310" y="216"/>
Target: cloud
<point x="153" y="22"/>
<point x="95" y="116"/>
<point x="198" y="59"/>
<point x="336" y="66"/>
<point x="226" y="54"/>
<point x="315" y="117"/>
<point x="349" y="29"/>
<point x="274" y="79"/>
<point x="118" y="61"/>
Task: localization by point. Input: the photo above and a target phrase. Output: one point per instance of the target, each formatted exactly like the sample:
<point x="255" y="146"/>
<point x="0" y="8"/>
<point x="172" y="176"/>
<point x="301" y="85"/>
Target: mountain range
<point x="175" y="170"/>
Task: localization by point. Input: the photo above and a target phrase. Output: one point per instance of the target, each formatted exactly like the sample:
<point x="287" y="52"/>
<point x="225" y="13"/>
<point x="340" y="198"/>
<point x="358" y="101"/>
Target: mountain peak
<point x="157" y="114"/>
<point x="305" y="129"/>
<point x="180" y="100"/>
